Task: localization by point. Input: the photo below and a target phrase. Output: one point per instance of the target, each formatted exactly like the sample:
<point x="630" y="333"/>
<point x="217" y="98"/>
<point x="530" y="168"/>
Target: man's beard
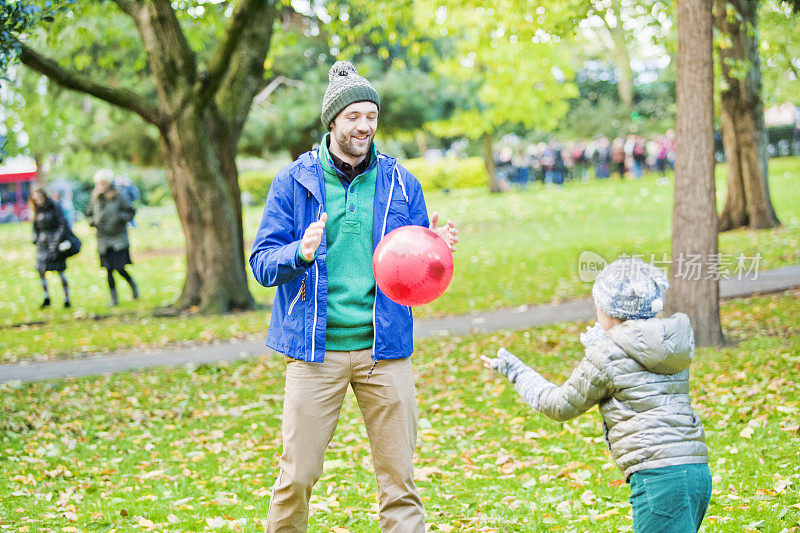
<point x="347" y="146"/>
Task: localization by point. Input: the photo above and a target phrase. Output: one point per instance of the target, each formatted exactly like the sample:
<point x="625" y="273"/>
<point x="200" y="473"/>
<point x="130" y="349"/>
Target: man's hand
<point x="448" y="232"/>
<point x="312" y="238"/>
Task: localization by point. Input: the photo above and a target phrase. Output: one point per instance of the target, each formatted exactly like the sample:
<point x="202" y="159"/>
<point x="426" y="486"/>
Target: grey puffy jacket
<point x="638" y="373"/>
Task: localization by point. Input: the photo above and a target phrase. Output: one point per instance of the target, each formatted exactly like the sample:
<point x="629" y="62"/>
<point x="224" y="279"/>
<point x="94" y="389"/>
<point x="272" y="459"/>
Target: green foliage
<point x="520" y="72"/>
<point x="257" y="184"/>
<point x="501" y="56"/>
<point x="74" y="128"/>
<point x="70" y="125"/>
<point x="288" y="119"/>
<point x="18" y="17"/>
<point x="449" y="173"/>
<point x="653" y="113"/>
<point x="152" y="184"/>
<point x="98" y="40"/>
<point x="404" y="110"/>
<point x="779" y="48"/>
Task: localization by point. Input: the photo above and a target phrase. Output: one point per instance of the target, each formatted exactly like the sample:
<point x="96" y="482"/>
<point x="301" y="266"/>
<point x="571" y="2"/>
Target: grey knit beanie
<point x="629" y="288"/>
<point x="345" y="87"/>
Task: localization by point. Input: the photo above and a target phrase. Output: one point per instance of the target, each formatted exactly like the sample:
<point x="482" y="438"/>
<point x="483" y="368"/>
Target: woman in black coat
<point x="49" y="229"/>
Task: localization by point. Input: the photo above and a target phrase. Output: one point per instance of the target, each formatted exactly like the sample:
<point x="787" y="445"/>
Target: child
<point x="636" y="368"/>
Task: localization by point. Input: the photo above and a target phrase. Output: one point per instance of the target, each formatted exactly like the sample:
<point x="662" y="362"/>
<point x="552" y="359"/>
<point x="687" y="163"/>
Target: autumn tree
<point x="694" y="288"/>
<point x="518" y="67"/>
<point x="199" y="106"/>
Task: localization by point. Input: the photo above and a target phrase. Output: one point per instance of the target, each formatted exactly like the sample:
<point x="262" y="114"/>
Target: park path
<point x="517" y="318"/>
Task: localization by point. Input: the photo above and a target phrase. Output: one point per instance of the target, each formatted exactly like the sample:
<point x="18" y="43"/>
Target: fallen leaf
<point x="423" y="474"/>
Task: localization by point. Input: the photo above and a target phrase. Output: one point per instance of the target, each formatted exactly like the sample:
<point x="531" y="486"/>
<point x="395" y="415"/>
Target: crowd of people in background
<point x="556" y="162"/>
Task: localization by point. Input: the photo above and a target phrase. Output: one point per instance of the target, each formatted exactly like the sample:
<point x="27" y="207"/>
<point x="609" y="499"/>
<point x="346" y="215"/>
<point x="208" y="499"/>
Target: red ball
<point x="412" y="265"/>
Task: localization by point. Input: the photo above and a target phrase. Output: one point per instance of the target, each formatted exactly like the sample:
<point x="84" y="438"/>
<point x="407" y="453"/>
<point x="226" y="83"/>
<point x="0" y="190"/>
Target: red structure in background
<point x="15" y="188"/>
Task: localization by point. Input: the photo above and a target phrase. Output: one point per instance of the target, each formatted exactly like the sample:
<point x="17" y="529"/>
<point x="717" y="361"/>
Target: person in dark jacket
<point x="323" y="218"/>
<point x="618" y="157"/>
<point x="49" y="229"/>
<point x="110" y="213"/>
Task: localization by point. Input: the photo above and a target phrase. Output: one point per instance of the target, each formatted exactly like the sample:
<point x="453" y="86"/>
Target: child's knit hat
<point x="629" y="288"/>
<point x="345" y="87"/>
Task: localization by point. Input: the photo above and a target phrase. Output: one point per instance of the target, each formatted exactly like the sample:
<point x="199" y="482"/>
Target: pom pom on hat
<point x="341" y="68"/>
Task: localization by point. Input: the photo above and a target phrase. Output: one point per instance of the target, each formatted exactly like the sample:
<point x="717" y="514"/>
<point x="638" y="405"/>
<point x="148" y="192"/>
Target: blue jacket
<point x="299" y="313"/>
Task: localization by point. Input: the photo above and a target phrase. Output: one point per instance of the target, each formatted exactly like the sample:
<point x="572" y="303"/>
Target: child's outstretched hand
<point x="592" y="334"/>
<point x="506" y="364"/>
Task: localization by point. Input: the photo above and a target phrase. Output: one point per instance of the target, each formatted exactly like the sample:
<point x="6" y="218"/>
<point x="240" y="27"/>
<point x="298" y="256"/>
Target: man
<point x="323" y="218"/>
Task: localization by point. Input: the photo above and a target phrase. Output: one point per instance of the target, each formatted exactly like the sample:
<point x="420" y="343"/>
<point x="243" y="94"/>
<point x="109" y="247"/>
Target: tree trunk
<point x="694" y="288"/>
<point x="488" y="159"/>
<point x="744" y="135"/>
<point x="621" y="55"/>
<point x="204" y="183"/>
<point x="37" y="160"/>
<point x="422" y="145"/>
<point x="305" y="143"/>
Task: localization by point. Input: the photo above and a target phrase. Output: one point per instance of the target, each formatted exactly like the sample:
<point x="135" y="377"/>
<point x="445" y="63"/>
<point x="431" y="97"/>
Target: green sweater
<point x="351" y="283"/>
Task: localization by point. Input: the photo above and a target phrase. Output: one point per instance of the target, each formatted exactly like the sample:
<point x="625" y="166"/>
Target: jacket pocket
<point x="667" y="494"/>
<point x="398" y="213"/>
<point x="301" y="294"/>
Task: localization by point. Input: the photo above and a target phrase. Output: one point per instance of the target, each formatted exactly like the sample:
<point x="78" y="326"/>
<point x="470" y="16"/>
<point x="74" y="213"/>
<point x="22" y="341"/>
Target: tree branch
<point x="169" y="56"/>
<point x="273" y="86"/>
<point x="126" y="6"/>
<point x="124" y="98"/>
<point x="244" y="76"/>
<point x="789" y="61"/>
<point x="219" y="63"/>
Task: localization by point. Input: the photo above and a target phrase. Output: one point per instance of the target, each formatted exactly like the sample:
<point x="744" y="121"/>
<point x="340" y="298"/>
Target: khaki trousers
<point x="313" y="398"/>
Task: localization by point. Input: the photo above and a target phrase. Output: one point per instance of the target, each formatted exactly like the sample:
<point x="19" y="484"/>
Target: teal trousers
<point x="672" y="499"/>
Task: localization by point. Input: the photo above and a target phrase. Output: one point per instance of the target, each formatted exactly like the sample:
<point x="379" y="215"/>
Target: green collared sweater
<point x="351" y="283"/>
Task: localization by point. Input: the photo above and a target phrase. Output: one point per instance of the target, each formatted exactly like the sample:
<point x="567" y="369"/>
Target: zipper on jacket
<point x="375" y="302"/>
<point x="300" y="294"/>
<point x="316" y="303"/>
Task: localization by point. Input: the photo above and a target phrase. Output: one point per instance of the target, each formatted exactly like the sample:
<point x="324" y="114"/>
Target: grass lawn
<point x="516" y="248"/>
<point x="195" y="449"/>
